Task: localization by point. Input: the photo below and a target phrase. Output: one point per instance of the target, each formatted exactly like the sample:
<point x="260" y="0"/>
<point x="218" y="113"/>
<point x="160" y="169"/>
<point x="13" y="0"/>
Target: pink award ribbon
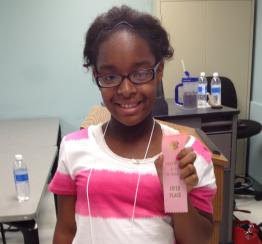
<point x="175" y="191"/>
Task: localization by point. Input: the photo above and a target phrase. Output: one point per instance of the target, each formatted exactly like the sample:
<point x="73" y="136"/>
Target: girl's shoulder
<point x="84" y="133"/>
<point x="167" y="129"/>
<point x="77" y="135"/>
<point x="173" y="128"/>
<point x="83" y="140"/>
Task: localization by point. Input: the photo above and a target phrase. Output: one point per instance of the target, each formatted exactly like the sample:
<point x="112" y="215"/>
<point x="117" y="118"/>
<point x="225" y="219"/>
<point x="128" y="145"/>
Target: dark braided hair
<point x="126" y="18"/>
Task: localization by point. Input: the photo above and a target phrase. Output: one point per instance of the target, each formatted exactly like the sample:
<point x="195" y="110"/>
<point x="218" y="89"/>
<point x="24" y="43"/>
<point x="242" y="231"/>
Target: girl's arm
<point x="65" y="227"/>
<point x="193" y="227"/>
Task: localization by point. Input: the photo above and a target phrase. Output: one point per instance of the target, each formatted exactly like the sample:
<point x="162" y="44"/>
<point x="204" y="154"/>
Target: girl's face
<point x="121" y="54"/>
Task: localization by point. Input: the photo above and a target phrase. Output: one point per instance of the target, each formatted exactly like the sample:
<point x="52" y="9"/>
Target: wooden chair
<point x="99" y="114"/>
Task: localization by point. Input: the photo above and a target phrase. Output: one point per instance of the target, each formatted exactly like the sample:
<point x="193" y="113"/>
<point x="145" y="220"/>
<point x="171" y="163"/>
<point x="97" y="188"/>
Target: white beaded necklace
<point x="137" y="184"/>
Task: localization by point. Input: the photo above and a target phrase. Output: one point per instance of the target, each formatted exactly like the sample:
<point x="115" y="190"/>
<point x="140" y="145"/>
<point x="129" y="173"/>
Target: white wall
<point x="255" y="154"/>
<point x="41" y="45"/>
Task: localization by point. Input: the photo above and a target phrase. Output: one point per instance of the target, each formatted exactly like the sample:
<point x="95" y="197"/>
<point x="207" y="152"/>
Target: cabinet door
<point x="229" y="37"/>
<point x="185" y="23"/>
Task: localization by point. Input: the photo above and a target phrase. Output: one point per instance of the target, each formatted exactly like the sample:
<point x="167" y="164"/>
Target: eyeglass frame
<point x="153" y="69"/>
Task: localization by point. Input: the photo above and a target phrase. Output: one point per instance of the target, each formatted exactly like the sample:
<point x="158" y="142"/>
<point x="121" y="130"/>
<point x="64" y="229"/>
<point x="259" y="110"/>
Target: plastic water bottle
<point x="202" y="90"/>
<point x="21" y="179"/>
<point x="216" y="89"/>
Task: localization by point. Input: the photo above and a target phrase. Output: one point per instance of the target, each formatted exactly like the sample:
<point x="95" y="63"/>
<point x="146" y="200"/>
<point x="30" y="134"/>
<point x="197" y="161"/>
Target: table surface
<point x="39" y="162"/>
<point x="179" y="111"/>
<point x="28" y="132"/>
<point x="36" y="140"/>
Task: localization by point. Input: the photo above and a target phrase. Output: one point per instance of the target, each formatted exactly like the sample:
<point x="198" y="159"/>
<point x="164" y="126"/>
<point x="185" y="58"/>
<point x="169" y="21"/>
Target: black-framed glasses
<point x="140" y="76"/>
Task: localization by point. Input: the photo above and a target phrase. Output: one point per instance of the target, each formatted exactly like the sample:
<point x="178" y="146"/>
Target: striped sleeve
<point x="62" y="182"/>
<point x="202" y="195"/>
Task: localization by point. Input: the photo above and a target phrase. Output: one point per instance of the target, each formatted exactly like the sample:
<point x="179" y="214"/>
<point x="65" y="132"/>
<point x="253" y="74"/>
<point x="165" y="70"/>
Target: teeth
<point x="128" y="105"/>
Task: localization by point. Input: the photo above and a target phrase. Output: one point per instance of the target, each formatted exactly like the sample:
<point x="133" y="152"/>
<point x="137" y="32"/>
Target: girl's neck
<point x="130" y="133"/>
<point x="133" y="141"/>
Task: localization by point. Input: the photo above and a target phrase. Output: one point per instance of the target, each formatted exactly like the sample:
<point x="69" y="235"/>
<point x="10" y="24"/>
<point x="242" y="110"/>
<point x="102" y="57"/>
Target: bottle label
<point x="202" y="89"/>
<point x="215" y="89"/>
<point x="21" y="178"/>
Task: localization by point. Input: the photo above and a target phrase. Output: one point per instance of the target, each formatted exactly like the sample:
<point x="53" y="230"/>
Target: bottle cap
<point x="18" y="156"/>
<point x="215" y="74"/>
<point x="202" y="74"/>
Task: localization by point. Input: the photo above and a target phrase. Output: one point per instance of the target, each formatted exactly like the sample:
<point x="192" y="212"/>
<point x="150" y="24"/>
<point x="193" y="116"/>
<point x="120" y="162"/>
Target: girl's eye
<point x="110" y="78"/>
<point x="142" y="75"/>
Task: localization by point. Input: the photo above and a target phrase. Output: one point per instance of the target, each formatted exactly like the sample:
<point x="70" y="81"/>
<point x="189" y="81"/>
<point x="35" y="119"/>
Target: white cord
<point x="106" y="128"/>
<point x="89" y="209"/>
<point x="139" y="176"/>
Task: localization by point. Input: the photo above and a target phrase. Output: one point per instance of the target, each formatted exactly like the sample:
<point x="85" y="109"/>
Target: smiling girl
<point x="107" y="179"/>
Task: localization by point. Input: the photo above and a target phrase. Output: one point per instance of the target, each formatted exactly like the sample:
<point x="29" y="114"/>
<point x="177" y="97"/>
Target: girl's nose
<point x="126" y="88"/>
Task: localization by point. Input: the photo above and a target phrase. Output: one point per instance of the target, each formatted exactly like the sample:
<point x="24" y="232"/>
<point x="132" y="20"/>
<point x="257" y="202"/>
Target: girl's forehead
<point x="124" y="46"/>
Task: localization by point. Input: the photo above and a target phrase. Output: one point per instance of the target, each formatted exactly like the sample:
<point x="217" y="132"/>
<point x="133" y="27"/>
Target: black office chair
<point x="245" y="129"/>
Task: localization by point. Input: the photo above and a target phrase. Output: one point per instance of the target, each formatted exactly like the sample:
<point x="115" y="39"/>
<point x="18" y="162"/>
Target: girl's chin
<point x="130" y="120"/>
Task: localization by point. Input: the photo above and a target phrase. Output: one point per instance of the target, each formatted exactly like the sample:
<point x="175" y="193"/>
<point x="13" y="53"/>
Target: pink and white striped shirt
<point x="111" y="190"/>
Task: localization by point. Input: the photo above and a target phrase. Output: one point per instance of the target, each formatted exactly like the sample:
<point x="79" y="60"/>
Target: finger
<point x="159" y="166"/>
<point x="184" y="152"/>
<point x="191" y="180"/>
<point x="188" y="159"/>
<point x="187" y="171"/>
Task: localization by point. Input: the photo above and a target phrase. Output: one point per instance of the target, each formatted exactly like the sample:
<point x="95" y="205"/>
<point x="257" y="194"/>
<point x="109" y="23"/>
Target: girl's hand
<point x="186" y="158"/>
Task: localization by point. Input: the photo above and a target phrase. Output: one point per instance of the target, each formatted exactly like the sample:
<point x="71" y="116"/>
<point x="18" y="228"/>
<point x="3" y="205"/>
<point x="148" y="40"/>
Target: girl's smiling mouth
<point x="130" y="107"/>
